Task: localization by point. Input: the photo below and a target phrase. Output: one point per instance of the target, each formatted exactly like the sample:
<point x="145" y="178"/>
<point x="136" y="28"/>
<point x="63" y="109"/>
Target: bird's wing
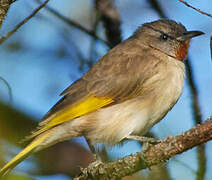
<point x="115" y="78"/>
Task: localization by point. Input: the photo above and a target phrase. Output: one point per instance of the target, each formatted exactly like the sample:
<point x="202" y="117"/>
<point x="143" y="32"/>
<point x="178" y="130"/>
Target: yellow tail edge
<point x="23" y="154"/>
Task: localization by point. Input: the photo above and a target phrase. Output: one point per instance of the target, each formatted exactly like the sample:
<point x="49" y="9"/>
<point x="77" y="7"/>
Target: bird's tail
<point x="24" y="153"/>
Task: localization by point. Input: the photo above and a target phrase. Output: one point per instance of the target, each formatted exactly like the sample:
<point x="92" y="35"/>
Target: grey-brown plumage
<point x="144" y="67"/>
<point x="140" y="80"/>
<point x="126" y="64"/>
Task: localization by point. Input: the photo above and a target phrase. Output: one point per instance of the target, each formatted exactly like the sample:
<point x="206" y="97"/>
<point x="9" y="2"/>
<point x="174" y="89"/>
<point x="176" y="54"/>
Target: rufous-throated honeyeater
<point x="123" y="95"/>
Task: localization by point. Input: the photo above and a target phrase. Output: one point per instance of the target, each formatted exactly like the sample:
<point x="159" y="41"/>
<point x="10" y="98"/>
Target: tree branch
<point x="2" y="39"/>
<point x="155" y="154"/>
<point x="196" y="9"/>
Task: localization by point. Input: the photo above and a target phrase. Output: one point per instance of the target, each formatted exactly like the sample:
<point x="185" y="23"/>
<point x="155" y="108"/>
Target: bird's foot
<point x="144" y="139"/>
<point x="94" y="164"/>
<point x="145" y="147"/>
<point x="147" y="141"/>
<point x="97" y="161"/>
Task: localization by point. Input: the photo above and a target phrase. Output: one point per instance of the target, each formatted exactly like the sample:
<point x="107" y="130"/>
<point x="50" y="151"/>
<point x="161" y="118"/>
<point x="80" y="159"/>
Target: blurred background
<point x="58" y="45"/>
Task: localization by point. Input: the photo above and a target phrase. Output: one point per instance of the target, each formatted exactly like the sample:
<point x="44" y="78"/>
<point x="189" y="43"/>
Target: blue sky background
<point x="46" y="64"/>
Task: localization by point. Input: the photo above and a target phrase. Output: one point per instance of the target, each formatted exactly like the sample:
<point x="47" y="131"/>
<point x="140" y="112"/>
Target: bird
<point x="128" y="91"/>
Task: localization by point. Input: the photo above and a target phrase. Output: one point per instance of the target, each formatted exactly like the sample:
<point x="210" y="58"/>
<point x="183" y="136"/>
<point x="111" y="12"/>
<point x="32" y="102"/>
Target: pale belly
<point x="131" y="118"/>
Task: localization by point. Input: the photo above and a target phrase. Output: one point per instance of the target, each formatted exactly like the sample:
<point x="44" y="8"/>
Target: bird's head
<point x="167" y="36"/>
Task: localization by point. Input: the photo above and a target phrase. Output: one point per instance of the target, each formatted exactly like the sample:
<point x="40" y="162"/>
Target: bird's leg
<point x="92" y="149"/>
<point x="143" y="139"/>
<point x="147" y="141"/>
<point x="97" y="158"/>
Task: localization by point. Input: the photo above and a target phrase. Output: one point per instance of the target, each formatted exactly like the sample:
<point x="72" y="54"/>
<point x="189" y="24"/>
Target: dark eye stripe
<point x="162" y="33"/>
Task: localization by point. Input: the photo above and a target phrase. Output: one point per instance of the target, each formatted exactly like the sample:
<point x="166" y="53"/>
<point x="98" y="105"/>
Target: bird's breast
<point x="136" y="116"/>
<point x="167" y="90"/>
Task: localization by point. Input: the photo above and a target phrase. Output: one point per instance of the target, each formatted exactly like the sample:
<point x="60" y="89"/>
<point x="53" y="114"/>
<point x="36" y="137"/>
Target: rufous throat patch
<point x="182" y="50"/>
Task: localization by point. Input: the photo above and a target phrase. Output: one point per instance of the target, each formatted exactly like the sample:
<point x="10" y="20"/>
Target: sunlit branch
<point x="2" y="39"/>
<point x="196" y="9"/>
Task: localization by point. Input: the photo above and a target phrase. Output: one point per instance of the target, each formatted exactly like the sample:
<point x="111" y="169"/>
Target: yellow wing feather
<point x="80" y="108"/>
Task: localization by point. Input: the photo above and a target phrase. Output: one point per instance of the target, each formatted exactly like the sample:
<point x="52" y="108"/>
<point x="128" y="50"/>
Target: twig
<point x="110" y="17"/>
<point x="9" y="89"/>
<point x="211" y="46"/>
<point x="155" y="154"/>
<point x="4" y="6"/>
<point x="196" y="9"/>
<point x="2" y="39"/>
<point x="194" y="93"/>
<point x="74" y="24"/>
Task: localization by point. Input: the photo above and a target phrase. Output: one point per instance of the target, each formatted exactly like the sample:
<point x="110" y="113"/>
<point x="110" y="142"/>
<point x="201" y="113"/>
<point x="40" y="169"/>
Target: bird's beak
<point x="189" y="34"/>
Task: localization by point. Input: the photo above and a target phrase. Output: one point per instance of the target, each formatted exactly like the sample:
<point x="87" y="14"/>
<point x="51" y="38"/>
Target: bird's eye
<point x="164" y="37"/>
